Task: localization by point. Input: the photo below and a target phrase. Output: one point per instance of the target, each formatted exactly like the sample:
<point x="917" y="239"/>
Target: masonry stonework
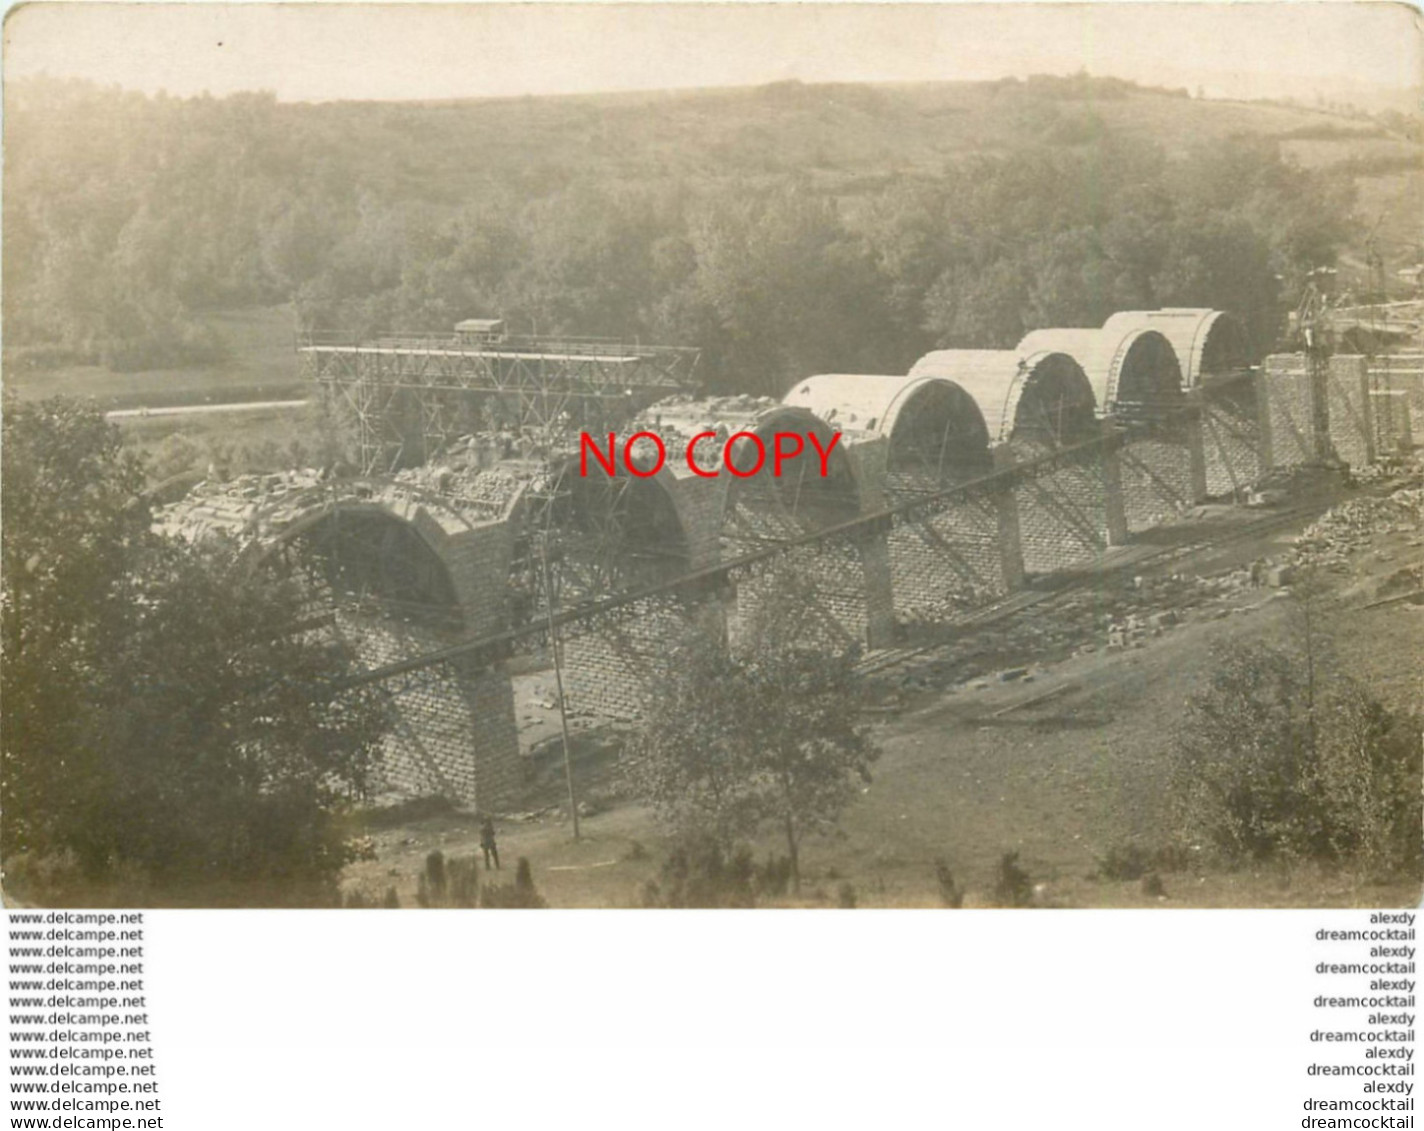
<point x="1163" y="473"/>
<point x="1403" y="373"/>
<point x="424" y="572"/>
<point x="959" y="556"/>
<point x="1348" y="410"/>
<point x="700" y="503"/>
<point x="479" y="563"/>
<point x="1393" y="427"/>
<point x="848" y="598"/>
<point x="1055" y="507"/>
<point x="1233" y="440"/>
<point x="454" y="730"/>
<point x="1295" y="411"/>
<point x="615" y="665"/>
<point x="1071" y="511"/>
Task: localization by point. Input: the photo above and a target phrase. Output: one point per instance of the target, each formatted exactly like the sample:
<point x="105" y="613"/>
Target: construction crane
<point x="1313" y="335"/>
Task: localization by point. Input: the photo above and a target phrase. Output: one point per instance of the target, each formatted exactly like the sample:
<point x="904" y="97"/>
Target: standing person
<point x="487" y="842"/>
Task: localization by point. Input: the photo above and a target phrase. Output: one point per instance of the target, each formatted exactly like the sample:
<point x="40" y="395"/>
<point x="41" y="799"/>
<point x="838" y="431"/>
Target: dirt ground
<point x="1059" y="758"/>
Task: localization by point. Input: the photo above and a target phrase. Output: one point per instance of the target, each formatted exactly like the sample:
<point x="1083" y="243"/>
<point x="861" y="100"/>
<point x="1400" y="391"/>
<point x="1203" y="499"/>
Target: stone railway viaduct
<point x="950" y="486"/>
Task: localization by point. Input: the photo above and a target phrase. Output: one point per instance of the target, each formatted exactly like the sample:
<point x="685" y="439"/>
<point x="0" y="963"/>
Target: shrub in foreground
<point x="1268" y="763"/>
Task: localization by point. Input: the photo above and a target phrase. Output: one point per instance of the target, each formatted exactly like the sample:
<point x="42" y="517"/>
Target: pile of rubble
<point x="1134" y="631"/>
<point x="944" y="608"/>
<point x="1353" y="526"/>
<point x="677" y="419"/>
<point x="700" y="414"/>
<point x="1150" y="606"/>
<point x="1404" y="471"/>
<point x="486" y="491"/>
<point x="260" y="507"/>
<point x="246" y="505"/>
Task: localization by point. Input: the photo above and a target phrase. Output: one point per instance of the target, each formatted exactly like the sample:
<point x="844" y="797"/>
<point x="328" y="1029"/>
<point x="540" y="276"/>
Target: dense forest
<point x="785" y="229"/>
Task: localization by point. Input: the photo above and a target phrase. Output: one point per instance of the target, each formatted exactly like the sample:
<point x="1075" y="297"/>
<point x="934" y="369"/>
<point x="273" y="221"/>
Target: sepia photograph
<point x="677" y="455"/>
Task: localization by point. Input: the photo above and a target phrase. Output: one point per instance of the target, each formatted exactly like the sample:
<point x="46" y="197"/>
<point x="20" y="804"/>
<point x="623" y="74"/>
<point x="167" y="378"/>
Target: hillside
<point x="783" y="228"/>
<point x="825" y="129"/>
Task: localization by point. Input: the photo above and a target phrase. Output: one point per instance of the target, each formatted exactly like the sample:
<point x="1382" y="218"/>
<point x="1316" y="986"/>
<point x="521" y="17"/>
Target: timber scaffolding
<point x="410" y="395"/>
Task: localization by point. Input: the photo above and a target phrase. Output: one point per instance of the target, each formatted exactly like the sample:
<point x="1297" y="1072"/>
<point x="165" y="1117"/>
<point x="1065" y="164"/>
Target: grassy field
<point x="261" y="440"/>
<point x="261" y="364"/>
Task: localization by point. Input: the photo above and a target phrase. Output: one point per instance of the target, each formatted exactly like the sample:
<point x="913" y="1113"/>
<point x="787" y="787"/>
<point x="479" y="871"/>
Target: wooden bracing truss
<point x="597" y="536"/>
<point x="936" y="445"/>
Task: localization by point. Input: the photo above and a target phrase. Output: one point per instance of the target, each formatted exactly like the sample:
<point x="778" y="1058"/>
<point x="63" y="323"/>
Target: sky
<point x="326" y="51"/>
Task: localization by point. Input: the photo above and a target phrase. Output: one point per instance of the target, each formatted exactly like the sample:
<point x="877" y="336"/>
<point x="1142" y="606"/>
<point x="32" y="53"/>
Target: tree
<point x="978" y="307"/>
<point x="766" y="737"/>
<point x="1243" y="762"/>
<point x="1272" y="761"/>
<point x="812" y="755"/>
<point x="167" y="716"/>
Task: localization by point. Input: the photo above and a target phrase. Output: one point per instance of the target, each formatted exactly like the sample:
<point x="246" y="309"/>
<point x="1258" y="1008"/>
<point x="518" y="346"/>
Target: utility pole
<point x="558" y="678"/>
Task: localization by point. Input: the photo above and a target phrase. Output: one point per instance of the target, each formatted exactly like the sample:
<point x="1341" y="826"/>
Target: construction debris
<point x="1354" y="525"/>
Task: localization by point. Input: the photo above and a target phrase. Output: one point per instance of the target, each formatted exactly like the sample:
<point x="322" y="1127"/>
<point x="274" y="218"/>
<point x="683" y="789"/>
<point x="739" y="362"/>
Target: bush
<point x="1267" y="766"/>
<point x="144" y="732"/>
<point x="175" y="455"/>
<point x="768" y="737"/>
<point x="1124" y="862"/>
<point x="1012" y="886"/>
<point x="1244" y="769"/>
<point x="1369" y="783"/>
<point x="949" y="892"/>
<point x="433" y="879"/>
<point x="1132" y="861"/>
<point x="773" y="877"/>
<point x="701" y="872"/>
<point x="463" y="882"/>
<point x="446" y="883"/>
<point x="520" y="895"/>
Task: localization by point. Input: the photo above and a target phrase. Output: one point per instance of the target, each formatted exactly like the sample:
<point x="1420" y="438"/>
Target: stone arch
<point x="1053" y="401"/>
<point x="801" y="498"/>
<point x="937" y="431"/>
<point x="1208" y="343"/>
<point x="399" y="572"/>
<point x="934" y="428"/>
<point x="363" y="553"/>
<point x="1220" y="347"/>
<point x="1041" y="399"/>
<point x="377" y="541"/>
<point x="1129" y="366"/>
<point x="616" y="532"/>
<point x="1144" y="373"/>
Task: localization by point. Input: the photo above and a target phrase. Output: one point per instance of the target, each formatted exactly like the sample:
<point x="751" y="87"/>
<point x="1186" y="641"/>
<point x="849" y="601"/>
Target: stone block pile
<point x="1332" y="539"/>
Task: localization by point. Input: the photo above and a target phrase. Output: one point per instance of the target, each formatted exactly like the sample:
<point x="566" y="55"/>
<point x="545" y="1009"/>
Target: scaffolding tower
<point x="409" y="395"/>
